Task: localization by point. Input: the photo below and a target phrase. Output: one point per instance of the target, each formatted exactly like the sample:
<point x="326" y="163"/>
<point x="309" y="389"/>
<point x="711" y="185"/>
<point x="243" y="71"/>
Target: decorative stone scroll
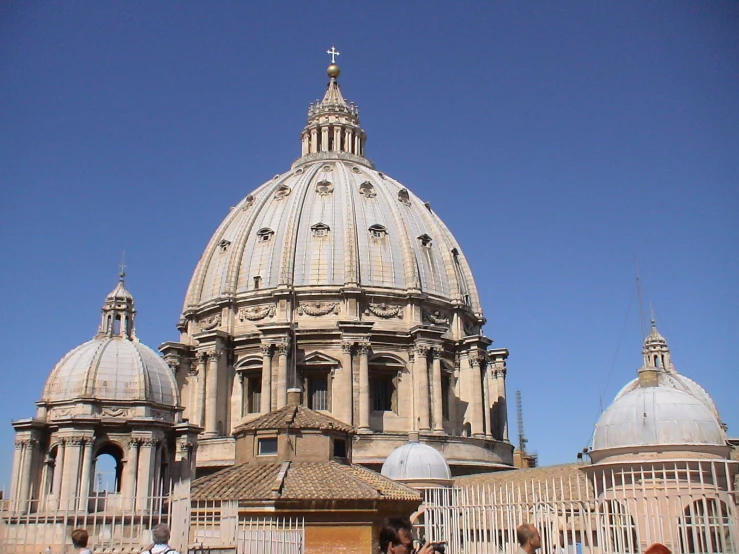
<point x="114" y="412"/>
<point x="283" y="191"/>
<point x="256" y="313"/>
<point x="324" y="188"/>
<point x="385" y="311"/>
<point x="210" y="322"/>
<point x="317" y="309"/>
<point x="435" y="317"/>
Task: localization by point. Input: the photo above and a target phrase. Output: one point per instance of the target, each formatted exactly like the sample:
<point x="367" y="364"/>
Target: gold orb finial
<point x="333" y="71"/>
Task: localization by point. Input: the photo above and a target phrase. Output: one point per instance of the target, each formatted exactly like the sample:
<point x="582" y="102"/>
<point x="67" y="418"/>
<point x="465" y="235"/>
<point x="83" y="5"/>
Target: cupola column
<point x="438" y="412"/>
<point x="324" y="139"/>
<point x="342" y="409"/>
<point x="23" y="487"/>
<point x="56" y="484"/>
<point x="199" y="388"/>
<point x="266" y="398"/>
<point x="86" y="475"/>
<point x="281" y="385"/>
<point x="487" y="402"/>
<point x="71" y="472"/>
<point x="364" y="385"/>
<point x="211" y="394"/>
<point x="476" y="417"/>
<point x="502" y="410"/>
<point x="313" y="140"/>
<point x="421" y="377"/>
<point x="132" y="471"/>
<point x="144" y="476"/>
<point x="15" y="476"/>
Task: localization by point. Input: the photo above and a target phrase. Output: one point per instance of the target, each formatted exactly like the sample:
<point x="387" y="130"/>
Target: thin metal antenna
<point x="519" y="417"/>
<point x="641" y="303"/>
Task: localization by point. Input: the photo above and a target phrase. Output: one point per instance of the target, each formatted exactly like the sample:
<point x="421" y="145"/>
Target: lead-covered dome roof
<point x="333" y="220"/>
<point x="657" y="416"/>
<point x="415" y="461"/>
<point x="114" y="366"/>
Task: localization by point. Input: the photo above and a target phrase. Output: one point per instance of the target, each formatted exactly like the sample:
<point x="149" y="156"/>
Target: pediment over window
<point x="319" y="358"/>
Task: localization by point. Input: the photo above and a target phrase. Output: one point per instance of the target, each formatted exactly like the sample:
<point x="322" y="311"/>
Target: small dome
<point x="416" y="461"/>
<point x="657" y="416"/>
<point x="677" y="381"/>
<point x="112" y="368"/>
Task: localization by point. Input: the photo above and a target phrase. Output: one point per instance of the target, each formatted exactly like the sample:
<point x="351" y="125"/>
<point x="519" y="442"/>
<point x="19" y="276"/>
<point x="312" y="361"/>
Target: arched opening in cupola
<point x="108" y="469"/>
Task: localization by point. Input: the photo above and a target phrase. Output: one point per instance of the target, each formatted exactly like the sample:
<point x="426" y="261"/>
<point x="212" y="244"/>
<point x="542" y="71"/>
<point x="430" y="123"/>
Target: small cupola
<point x="333" y="124"/>
<point x="118" y="312"/>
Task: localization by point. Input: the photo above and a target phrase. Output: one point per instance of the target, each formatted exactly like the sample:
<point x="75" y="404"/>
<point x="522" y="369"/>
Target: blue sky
<point x="558" y="141"/>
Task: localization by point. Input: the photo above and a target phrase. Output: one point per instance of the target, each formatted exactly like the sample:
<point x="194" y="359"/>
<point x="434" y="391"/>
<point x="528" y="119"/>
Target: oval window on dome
<point x="282" y="191"/>
<point x="404" y="197"/>
<point x="265" y="234"/>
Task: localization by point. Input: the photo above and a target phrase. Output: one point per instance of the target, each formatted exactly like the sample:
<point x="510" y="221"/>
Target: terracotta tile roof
<point x="300" y="481"/>
<point x="563" y="482"/>
<point x="298" y="417"/>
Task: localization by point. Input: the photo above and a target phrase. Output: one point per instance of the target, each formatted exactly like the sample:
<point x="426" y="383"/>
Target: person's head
<point x="160" y="534"/>
<point x="396" y="536"/>
<point x="79" y="538"/>
<point x="528" y="537"/>
<point x="658" y="548"/>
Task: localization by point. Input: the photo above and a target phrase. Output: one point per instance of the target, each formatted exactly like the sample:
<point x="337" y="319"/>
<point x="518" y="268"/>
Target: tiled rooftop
<point x="297" y="417"/>
<point x="299" y="481"/>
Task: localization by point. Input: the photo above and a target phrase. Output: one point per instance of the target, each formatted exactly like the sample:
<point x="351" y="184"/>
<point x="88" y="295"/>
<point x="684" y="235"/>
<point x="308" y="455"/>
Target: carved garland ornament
<point x="317" y="309"/>
<point x="435" y="317"/>
<point x="256" y="313"/>
<point x="385" y="311"/>
<point x="210" y="322"/>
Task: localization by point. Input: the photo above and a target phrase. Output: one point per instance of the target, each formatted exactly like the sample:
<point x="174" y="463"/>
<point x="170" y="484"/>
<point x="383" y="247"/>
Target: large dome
<point x="657" y="416"/>
<point x="112" y="368"/>
<point x="331" y="223"/>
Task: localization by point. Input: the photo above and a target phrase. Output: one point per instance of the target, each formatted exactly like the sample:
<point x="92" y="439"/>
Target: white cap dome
<point x="416" y="461"/>
<point x="657" y="416"/>
<point x="112" y="368"/>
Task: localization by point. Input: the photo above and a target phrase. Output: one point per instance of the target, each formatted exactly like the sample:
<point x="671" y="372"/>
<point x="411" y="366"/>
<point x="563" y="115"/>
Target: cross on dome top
<point x="333" y="53"/>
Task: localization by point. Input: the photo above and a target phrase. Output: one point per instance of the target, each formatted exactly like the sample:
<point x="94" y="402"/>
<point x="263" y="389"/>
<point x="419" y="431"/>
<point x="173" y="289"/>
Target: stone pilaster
<point x="131" y="472"/>
<point x="437" y="404"/>
<point x="144" y="476"/>
<point x="199" y="404"/>
<point x="86" y="475"/>
<point x="364" y="387"/>
<point x="266" y="399"/>
<point x="282" y="353"/>
<point x="476" y="405"/>
<point x="421" y="378"/>
<point x="343" y="410"/>
<point x="72" y="455"/>
<point x="211" y="394"/>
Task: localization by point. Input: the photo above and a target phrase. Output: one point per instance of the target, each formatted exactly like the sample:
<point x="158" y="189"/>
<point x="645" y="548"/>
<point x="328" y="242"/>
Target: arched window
<point x="265" y="234"/>
<point x="383" y="375"/>
<point x="108" y="469"/>
<point x="250" y="373"/>
<point x="617" y="526"/>
<point x="706" y="526"/>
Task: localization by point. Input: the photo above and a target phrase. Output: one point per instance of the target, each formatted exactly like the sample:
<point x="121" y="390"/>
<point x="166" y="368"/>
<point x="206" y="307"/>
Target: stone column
<point x="199" y="404"/>
<point x="324" y="139"/>
<point x="313" y="140"/>
<point x="281" y="385"/>
<point x="86" y="474"/>
<point x="502" y="409"/>
<point x="486" y="402"/>
<point x="337" y="139"/>
<point x="71" y="471"/>
<point x="211" y="394"/>
<point x="24" y="490"/>
<point x="266" y="399"/>
<point x="364" y="385"/>
<point x="343" y="398"/>
<point x="144" y="476"/>
<point x="348" y="141"/>
<point x="56" y="485"/>
<point x="438" y="412"/>
<point x="421" y="378"/>
<point x="476" y="421"/>
<point x="132" y="472"/>
<point x="15" y="479"/>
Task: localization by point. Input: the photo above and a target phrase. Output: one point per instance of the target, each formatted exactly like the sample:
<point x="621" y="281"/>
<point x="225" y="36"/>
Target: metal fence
<point x="688" y="506"/>
<point x="114" y="523"/>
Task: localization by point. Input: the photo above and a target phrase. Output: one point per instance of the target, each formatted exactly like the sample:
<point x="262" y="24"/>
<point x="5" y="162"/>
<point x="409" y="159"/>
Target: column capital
<point x="422" y="349"/>
<point x="346" y="347"/>
<point x="282" y="348"/>
<point x="202" y="356"/>
<point x="436" y="352"/>
<point x="475" y="358"/>
<point x="500" y="372"/>
<point x="75" y="441"/>
<point x="214" y="354"/>
<point x="266" y="349"/>
<point x="363" y="347"/>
